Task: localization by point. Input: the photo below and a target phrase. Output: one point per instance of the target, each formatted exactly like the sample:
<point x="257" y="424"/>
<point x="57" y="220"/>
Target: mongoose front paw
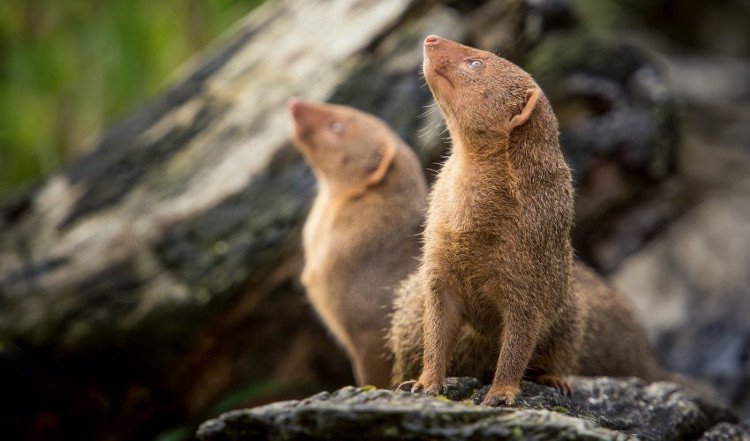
<point x="499" y="396"/>
<point x="556" y="381"/>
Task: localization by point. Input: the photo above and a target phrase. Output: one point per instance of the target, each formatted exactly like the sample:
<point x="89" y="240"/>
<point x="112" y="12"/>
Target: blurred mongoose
<point x="497" y="253"/>
<point x="361" y="237"/>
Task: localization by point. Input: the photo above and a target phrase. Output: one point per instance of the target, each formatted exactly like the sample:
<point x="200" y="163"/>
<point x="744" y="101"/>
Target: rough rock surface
<point x="728" y="431"/>
<point x="599" y="409"/>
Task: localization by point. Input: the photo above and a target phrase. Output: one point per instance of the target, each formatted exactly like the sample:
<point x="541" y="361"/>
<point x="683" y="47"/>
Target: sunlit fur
<point x="362" y="234"/>
<point x="497" y="249"/>
<point x="497" y="252"/>
<point x="614" y="343"/>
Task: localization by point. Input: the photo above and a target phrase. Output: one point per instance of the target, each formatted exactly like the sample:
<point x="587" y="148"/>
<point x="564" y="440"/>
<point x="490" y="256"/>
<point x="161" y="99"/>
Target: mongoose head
<point x="478" y="92"/>
<point x="348" y="150"/>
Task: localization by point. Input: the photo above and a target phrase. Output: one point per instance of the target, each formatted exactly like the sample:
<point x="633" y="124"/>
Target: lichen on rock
<point x="599" y="409"/>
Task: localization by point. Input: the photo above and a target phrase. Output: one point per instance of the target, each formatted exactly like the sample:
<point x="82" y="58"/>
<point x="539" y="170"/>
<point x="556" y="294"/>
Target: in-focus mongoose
<point x="497" y="252"/>
<point x="361" y="237"/>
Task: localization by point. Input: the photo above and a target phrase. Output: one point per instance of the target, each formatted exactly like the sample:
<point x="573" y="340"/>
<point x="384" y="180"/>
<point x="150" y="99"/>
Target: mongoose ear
<point x="532" y="98"/>
<point x="389" y="152"/>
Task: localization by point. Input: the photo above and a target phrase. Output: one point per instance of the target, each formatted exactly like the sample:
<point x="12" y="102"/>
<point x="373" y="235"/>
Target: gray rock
<point x="599" y="409"/>
<point x="727" y="432"/>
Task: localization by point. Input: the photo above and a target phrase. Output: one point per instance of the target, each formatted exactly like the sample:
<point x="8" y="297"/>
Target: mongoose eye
<point x="337" y="127"/>
<point x="475" y="64"/>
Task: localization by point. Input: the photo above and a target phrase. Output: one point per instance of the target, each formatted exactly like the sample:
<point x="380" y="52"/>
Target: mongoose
<point x="614" y="343"/>
<point x="497" y="252"/>
<point x="362" y="234"/>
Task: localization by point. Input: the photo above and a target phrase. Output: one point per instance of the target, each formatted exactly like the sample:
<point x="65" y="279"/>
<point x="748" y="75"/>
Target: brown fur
<point x="614" y="343"/>
<point x="497" y="254"/>
<point x="362" y="234"/>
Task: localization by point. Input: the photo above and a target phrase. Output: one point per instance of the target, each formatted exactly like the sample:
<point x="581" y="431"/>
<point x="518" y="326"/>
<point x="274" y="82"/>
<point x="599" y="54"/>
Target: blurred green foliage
<point x="70" y="67"/>
<point x="600" y="17"/>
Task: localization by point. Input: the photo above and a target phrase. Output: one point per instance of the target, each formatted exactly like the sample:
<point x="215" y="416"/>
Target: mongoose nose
<point x="431" y="40"/>
<point x="293" y="105"/>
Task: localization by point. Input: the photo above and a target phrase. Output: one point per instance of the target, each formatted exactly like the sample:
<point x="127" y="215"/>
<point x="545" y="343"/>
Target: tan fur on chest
<point x="317" y="241"/>
<point x="472" y="201"/>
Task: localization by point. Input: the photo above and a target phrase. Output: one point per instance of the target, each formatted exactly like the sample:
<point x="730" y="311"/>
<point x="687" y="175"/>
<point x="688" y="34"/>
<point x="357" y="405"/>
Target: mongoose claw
<point x="566" y="389"/>
<point x="416" y="387"/>
<point x="554" y="381"/>
<point x="406" y="386"/>
<point x="501" y="396"/>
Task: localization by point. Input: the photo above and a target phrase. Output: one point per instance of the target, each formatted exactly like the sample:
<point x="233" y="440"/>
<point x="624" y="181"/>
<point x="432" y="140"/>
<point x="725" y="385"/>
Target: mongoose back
<point x="497" y="251"/>
<point x="362" y="234"/>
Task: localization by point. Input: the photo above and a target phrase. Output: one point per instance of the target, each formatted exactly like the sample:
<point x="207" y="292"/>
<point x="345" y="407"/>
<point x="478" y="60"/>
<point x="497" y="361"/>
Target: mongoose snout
<point x="485" y="91"/>
<point x="347" y="149"/>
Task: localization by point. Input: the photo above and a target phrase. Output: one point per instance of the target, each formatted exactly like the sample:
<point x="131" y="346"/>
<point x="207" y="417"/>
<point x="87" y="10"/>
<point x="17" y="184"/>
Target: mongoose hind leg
<point x="405" y="334"/>
<point x="558" y="356"/>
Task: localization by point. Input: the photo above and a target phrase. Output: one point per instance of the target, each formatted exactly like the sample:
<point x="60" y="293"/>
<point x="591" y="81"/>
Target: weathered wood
<point x="191" y="196"/>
